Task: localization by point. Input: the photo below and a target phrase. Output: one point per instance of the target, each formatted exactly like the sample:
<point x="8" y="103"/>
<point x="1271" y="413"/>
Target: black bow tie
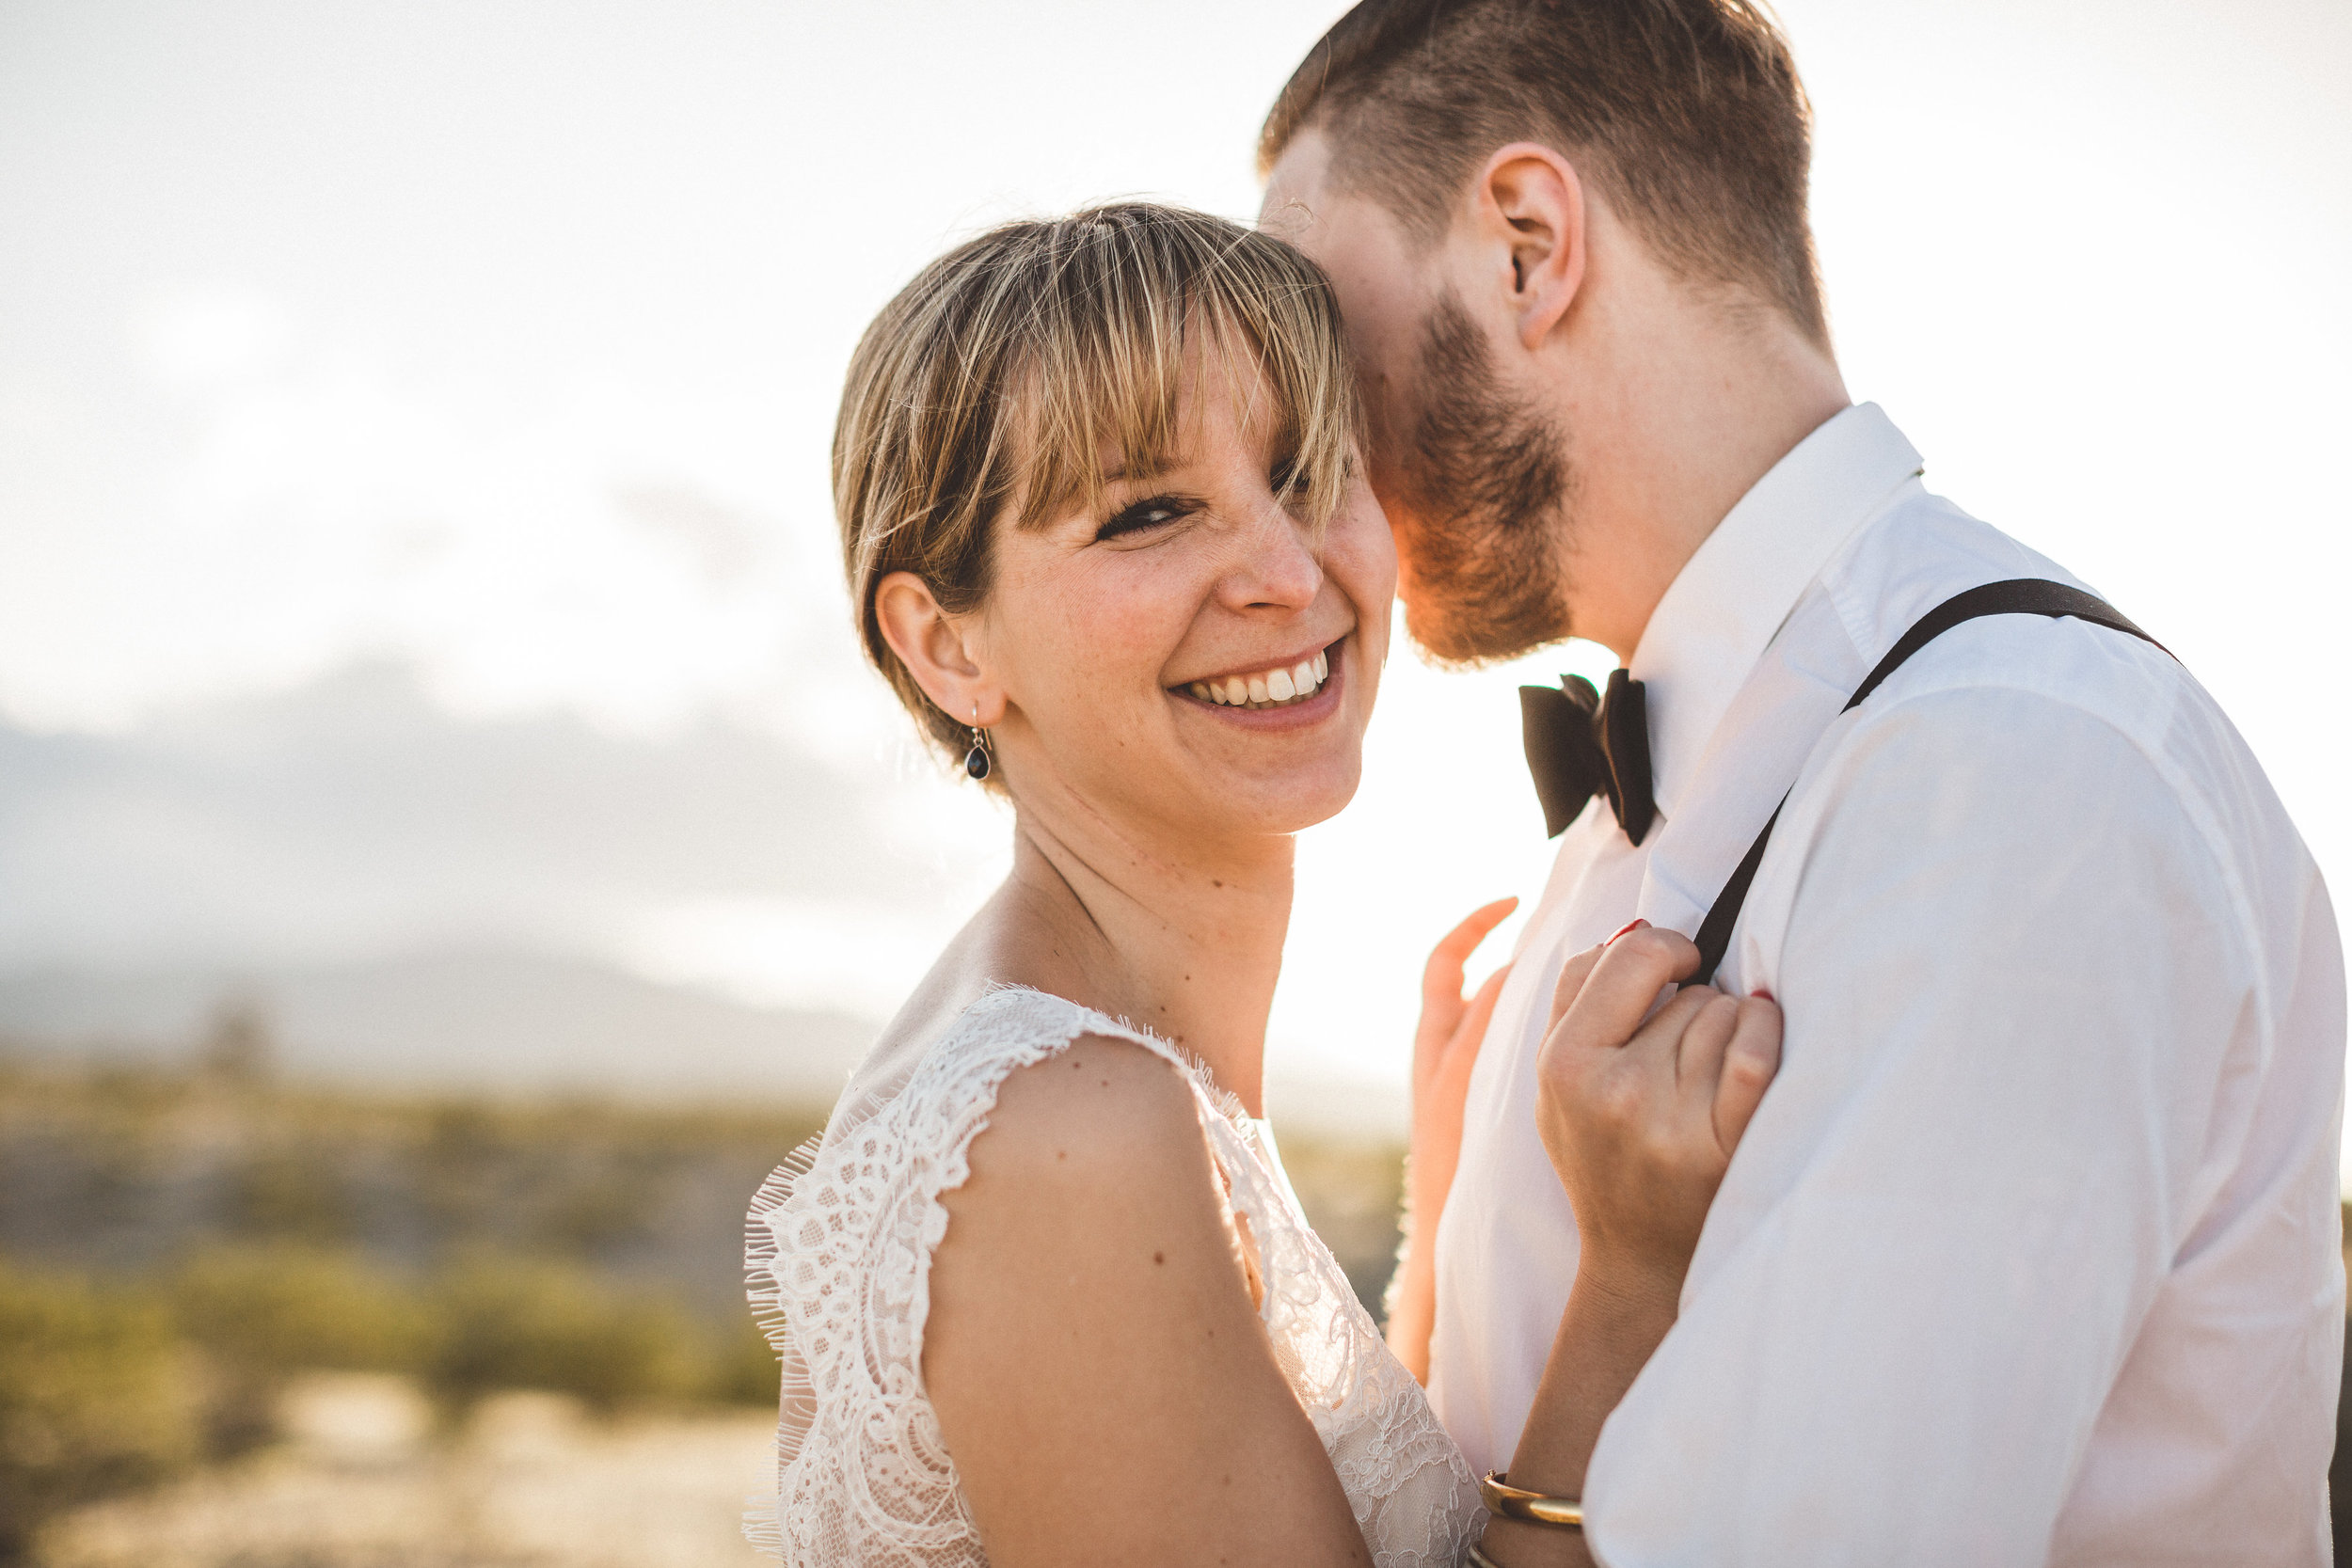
<point x="1578" y="746"/>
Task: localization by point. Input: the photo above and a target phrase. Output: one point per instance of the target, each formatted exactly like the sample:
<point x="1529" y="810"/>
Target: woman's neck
<point x="1187" y="946"/>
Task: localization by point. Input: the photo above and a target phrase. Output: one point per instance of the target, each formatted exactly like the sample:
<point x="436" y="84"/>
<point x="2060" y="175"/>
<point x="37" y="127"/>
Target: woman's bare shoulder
<point x="1099" y="1115"/>
<point x="1091" y="1322"/>
<point x="1093" y="1162"/>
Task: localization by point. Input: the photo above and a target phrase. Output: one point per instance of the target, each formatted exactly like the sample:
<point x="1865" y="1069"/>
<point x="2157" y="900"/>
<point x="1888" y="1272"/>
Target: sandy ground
<point x="361" y="1483"/>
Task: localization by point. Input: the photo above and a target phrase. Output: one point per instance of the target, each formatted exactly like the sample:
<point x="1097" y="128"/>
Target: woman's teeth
<point x="1268" y="688"/>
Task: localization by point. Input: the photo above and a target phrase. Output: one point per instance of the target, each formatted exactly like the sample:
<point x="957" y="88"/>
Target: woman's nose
<point x="1275" y="565"/>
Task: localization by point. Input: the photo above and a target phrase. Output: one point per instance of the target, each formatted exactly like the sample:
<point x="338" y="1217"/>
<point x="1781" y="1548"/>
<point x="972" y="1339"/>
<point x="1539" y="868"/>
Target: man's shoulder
<point x="1919" y="552"/>
<point x="2077" y="739"/>
<point x="2058" y="673"/>
<point x="2098" y="720"/>
<point x="2034" y="673"/>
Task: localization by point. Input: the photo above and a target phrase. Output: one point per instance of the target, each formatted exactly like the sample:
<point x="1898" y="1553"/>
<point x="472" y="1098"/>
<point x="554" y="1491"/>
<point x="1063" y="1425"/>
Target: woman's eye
<point x="1287" y="479"/>
<point x="1156" y="513"/>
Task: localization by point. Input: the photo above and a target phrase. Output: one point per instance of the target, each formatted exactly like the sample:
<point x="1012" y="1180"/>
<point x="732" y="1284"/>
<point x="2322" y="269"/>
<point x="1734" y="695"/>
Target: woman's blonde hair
<point x="1009" y="369"/>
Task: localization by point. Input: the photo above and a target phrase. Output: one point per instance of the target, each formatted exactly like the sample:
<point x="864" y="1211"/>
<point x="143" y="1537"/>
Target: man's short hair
<point x="1687" y="114"/>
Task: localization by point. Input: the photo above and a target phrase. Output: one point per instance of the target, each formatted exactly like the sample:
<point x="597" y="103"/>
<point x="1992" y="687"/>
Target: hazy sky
<point x="501" y="342"/>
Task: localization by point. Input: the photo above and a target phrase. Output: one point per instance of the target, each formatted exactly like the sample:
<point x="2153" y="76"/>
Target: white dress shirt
<point x="2030" y="1255"/>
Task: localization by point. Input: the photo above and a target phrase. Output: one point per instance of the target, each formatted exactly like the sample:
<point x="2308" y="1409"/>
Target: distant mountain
<point x="476" y="1020"/>
<point x="353" y="818"/>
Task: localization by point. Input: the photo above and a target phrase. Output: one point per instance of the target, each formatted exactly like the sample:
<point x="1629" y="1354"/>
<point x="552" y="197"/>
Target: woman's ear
<point x="1531" y="205"/>
<point x="937" y="650"/>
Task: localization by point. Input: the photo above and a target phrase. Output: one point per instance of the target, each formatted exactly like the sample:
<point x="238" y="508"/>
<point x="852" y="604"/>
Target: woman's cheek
<point x="1364" y="563"/>
<point x="1127" y="625"/>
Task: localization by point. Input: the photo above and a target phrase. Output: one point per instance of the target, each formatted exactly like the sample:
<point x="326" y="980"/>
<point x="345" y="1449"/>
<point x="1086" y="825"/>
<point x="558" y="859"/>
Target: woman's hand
<point x="1445" y="1048"/>
<point x="1639" y="1109"/>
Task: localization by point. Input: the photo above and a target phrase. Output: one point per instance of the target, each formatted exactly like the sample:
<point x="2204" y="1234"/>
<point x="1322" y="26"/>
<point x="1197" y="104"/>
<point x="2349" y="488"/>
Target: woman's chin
<point x="1291" y="801"/>
<point x="1273" y="770"/>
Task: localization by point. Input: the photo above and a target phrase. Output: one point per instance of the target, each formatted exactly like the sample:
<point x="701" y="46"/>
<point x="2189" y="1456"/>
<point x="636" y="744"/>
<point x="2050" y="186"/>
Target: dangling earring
<point x="977" y="760"/>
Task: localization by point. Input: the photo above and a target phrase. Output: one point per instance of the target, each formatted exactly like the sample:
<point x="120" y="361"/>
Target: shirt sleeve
<point x="2014" y="969"/>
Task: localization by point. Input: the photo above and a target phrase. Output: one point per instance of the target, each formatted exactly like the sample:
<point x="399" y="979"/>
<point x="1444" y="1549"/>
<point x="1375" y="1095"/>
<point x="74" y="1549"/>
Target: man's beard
<point x="1487" y="486"/>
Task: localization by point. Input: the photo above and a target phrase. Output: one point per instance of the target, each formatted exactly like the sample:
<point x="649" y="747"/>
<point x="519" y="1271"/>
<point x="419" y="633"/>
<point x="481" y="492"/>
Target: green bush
<point x="296" y="1193"/>
<point x="256" y="1314"/>
<point x="552" y="1326"/>
<point x="94" y="1397"/>
<point x="276" y="1309"/>
<point x="259" y="1313"/>
<point x="108" y="1386"/>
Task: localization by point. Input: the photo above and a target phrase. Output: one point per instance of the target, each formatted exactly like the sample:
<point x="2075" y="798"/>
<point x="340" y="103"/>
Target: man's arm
<point x="2012" y="968"/>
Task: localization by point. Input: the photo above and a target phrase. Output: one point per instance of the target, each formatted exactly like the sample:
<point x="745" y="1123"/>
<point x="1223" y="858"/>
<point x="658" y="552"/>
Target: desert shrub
<point x="257" y="1313"/>
<point x="507" y="1324"/>
<point x="596" y="1211"/>
<point x="94" y="1397"/>
<point x="282" y="1309"/>
<point x="293" y="1193"/>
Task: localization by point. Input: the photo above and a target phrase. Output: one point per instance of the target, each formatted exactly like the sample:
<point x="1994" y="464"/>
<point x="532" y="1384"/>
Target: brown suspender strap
<point x="2016" y="596"/>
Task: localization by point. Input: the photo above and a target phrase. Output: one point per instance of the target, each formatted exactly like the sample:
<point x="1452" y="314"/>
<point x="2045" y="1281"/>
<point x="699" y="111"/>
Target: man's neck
<point x="1188" y="945"/>
<point x="1686" y="426"/>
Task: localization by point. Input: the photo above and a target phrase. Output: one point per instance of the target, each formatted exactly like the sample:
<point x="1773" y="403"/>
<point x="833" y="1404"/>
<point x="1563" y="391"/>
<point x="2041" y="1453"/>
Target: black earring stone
<point x="976" y="762"/>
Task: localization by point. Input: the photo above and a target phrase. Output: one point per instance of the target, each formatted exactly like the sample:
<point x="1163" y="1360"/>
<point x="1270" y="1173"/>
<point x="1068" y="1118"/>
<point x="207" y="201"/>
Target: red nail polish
<point x="1629" y="926"/>
<point x="1762" y="994"/>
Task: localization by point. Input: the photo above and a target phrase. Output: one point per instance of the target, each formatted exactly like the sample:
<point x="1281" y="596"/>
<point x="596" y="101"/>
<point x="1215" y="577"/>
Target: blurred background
<point x="448" y="847"/>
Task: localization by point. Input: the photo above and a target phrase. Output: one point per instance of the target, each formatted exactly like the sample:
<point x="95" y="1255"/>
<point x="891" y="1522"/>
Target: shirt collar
<point x="1723" y="607"/>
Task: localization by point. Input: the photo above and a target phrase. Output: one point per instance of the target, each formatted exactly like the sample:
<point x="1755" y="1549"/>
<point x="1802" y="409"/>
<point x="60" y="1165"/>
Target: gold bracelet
<point x="1480" y="1559"/>
<point x="1506" y="1501"/>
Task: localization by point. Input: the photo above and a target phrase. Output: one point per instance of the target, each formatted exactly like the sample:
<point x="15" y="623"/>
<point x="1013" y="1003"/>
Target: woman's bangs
<point x="1293" y="326"/>
<point x="1105" y="377"/>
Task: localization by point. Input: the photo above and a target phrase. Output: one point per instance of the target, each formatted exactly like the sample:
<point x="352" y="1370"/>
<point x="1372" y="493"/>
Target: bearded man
<point x="2031" y="1254"/>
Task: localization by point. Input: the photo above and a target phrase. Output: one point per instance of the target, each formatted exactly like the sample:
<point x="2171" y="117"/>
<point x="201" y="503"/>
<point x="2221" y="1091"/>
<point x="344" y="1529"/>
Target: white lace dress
<point x="840" y="1255"/>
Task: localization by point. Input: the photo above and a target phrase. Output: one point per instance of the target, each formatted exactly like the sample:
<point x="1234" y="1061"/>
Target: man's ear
<point x="1531" y="207"/>
<point x="937" y="650"/>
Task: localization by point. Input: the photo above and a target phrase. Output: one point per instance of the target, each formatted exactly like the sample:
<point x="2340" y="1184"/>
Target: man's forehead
<point x="1296" y="188"/>
<point x="1344" y="230"/>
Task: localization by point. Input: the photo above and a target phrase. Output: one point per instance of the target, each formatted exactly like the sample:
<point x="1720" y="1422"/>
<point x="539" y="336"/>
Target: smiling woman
<point x="1104" y="523"/>
<point x="1041" y="373"/>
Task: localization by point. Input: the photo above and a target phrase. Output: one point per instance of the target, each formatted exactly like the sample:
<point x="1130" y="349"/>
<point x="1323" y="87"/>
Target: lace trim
<point x="797" y="1398"/>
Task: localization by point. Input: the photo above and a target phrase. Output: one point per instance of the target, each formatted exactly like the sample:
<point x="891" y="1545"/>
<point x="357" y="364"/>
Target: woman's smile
<point x="1288" y="693"/>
